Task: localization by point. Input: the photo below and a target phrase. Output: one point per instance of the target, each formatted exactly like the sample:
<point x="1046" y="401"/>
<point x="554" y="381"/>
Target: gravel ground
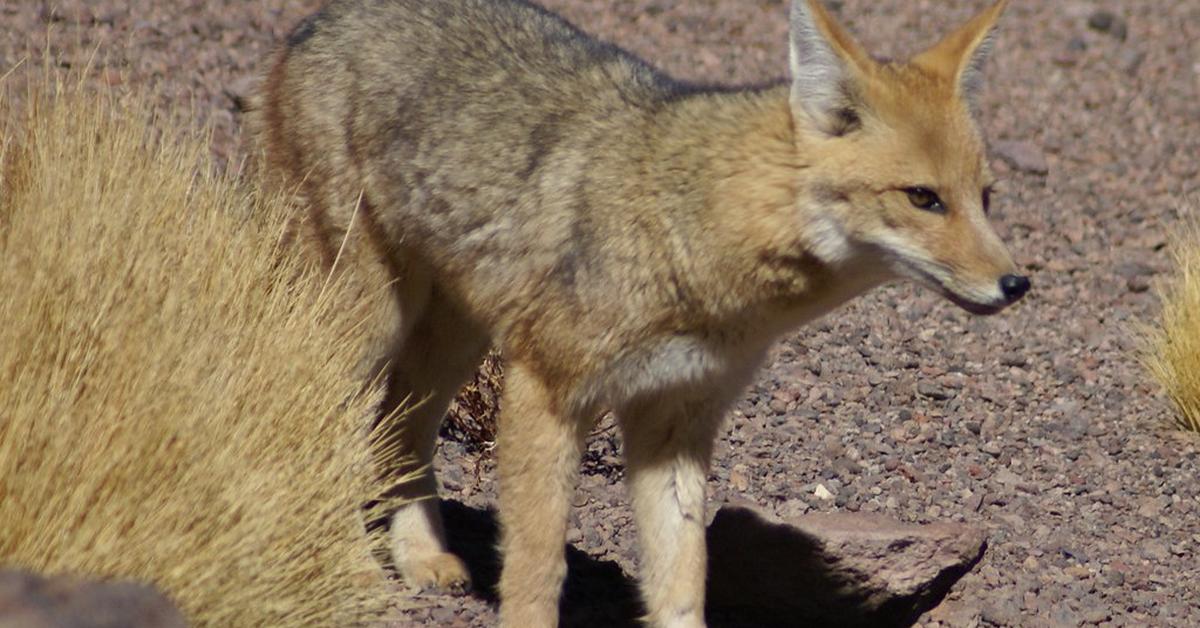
<point x="1037" y="425"/>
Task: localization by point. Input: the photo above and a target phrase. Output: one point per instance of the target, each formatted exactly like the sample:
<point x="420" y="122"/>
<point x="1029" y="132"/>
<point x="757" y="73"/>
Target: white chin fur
<point x="909" y="262"/>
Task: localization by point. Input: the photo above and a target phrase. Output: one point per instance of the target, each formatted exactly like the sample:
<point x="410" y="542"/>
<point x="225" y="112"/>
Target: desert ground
<point x="1037" y="425"/>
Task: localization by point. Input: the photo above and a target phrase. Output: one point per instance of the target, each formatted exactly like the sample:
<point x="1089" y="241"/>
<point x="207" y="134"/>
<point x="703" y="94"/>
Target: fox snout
<point x="1013" y="287"/>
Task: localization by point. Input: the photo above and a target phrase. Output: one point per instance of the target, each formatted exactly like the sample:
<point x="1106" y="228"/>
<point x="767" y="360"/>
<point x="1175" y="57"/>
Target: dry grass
<point x="1172" y="348"/>
<point x="472" y="416"/>
<point x="179" y="402"/>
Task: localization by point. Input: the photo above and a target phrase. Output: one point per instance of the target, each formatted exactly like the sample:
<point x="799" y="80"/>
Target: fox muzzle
<point x="1014" y="287"/>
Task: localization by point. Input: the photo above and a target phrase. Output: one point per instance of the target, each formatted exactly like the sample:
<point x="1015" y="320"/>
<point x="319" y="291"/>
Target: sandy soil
<point x="1037" y="425"/>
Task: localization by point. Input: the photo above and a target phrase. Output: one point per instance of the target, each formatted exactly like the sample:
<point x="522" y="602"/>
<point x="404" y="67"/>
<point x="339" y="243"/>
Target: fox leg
<point x="437" y="354"/>
<point x="539" y="451"/>
<point x="667" y="451"/>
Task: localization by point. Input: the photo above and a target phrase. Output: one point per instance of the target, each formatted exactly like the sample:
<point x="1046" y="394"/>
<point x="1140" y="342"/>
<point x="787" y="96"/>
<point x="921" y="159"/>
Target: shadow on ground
<point x="599" y="594"/>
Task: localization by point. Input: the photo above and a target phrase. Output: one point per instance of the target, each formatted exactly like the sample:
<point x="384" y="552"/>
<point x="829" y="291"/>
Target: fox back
<point x="480" y="133"/>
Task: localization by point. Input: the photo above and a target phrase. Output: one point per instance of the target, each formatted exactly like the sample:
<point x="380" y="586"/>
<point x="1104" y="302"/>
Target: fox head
<point x="899" y="164"/>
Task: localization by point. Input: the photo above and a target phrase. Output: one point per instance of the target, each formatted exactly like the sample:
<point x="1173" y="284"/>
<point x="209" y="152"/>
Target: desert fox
<point x="631" y="242"/>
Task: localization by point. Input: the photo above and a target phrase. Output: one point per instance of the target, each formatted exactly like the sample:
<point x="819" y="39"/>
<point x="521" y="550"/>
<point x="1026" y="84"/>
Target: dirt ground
<point x="1037" y="425"/>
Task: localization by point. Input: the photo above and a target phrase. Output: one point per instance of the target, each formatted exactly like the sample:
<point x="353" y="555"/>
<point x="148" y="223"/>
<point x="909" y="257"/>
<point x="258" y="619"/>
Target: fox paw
<point x="441" y="573"/>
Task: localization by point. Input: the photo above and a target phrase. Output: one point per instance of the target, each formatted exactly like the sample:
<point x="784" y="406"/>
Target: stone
<point x="1096" y="615"/>
<point x="31" y="601"/>
<point x="1005" y="613"/>
<point x="1131" y="270"/>
<point x="933" y="391"/>
<point x="1102" y="20"/>
<point x="1014" y="358"/>
<point x="1107" y="22"/>
<point x="1130" y="61"/>
<point x="1022" y="155"/>
<point x="844" y="569"/>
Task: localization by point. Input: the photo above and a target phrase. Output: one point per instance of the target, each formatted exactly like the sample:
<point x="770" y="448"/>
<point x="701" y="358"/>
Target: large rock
<point x="31" y="601"/>
<point x="845" y="569"/>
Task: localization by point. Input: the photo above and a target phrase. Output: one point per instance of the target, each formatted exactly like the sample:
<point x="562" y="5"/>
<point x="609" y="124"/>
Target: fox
<point x="631" y="243"/>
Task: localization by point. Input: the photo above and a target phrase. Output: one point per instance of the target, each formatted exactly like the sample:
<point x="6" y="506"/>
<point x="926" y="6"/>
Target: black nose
<point x="1014" y="287"/>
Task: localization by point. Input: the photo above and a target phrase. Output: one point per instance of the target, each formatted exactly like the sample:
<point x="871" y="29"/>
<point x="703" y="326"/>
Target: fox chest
<point x="680" y="365"/>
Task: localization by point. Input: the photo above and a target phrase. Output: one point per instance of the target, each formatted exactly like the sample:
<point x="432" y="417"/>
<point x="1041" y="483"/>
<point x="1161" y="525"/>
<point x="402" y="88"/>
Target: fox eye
<point x="987" y="200"/>
<point x="926" y="199"/>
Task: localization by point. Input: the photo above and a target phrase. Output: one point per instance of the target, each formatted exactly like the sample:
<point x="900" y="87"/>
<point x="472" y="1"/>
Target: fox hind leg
<point x="436" y="354"/>
<point x="539" y="451"/>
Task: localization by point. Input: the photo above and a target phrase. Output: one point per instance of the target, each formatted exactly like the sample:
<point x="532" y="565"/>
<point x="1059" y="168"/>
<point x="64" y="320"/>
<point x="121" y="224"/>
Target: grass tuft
<point x="180" y="400"/>
<point x="1171" y="351"/>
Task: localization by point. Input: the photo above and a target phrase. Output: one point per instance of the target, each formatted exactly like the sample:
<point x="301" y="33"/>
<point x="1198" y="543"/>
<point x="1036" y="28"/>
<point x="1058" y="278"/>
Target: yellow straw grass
<point x="1172" y="348"/>
<point x="179" y="400"/>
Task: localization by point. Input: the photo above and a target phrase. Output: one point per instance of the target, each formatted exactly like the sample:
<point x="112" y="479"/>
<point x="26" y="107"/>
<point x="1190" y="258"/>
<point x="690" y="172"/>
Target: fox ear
<point x="962" y="54"/>
<point x="825" y="63"/>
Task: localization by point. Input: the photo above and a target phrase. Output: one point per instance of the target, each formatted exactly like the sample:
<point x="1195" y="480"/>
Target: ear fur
<point x="825" y="63"/>
<point x="961" y="55"/>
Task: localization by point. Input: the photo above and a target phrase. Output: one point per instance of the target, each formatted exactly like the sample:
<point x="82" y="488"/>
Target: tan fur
<point x="632" y="243"/>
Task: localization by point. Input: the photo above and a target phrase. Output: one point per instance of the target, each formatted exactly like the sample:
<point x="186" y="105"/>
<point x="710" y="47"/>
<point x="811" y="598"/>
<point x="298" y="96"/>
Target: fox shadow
<point x="598" y="593"/>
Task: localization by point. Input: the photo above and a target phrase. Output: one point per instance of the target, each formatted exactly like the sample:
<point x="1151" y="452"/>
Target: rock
<point x="1131" y="270"/>
<point x="1076" y="424"/>
<point x="31" y="601"/>
<point x="1013" y="358"/>
<point x="1067" y="57"/>
<point x="72" y="14"/>
<point x="933" y="391"/>
<point x="739" y="478"/>
<point x="1102" y="20"/>
<point x="1138" y="285"/>
<point x="844" y="569"/>
<point x="442" y="616"/>
<point x="1008" y="478"/>
<point x="1006" y="613"/>
<point x="1136" y="275"/>
<point x="1024" y="156"/>
<point x="955" y="613"/>
<point x="1154" y="550"/>
<point x="1130" y="61"/>
<point x="1107" y="22"/>
<point x="1097" y="616"/>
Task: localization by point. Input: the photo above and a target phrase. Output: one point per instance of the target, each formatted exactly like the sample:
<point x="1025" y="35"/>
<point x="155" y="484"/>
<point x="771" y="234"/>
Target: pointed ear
<point x="826" y="63"/>
<point x="962" y="54"/>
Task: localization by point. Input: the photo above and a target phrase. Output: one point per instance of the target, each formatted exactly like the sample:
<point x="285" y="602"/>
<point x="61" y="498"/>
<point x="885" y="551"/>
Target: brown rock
<point x="31" y="601"/>
<point x="1023" y="156"/>
<point x="844" y="569"/>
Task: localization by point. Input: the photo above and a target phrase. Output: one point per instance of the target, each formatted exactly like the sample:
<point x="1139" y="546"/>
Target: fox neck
<point x="784" y="258"/>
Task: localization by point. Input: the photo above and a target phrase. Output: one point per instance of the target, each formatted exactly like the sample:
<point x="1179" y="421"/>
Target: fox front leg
<point x="667" y="450"/>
